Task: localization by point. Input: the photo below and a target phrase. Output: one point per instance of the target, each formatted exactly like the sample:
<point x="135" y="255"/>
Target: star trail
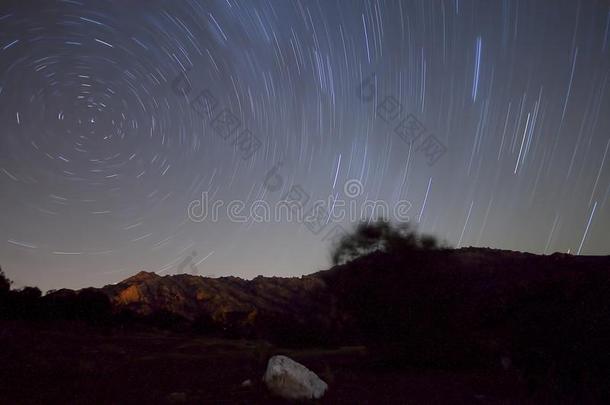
<point x="492" y="118"/>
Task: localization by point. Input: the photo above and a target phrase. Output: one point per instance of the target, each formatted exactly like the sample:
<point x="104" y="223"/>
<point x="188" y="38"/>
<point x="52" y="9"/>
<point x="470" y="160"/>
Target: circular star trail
<point x="491" y="119"/>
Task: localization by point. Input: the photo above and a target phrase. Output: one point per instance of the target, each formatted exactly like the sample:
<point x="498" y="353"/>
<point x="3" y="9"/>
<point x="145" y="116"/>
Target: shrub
<point x="5" y="283"/>
<point x="380" y="235"/>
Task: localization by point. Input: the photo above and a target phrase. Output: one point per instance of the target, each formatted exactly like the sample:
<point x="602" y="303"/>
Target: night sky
<point x="492" y="118"/>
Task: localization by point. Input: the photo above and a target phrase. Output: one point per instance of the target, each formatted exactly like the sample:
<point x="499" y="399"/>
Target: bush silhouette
<point x="23" y="303"/>
<point x="380" y="235"/>
<point x="87" y="305"/>
<point x="93" y="305"/>
<point x="5" y="283"/>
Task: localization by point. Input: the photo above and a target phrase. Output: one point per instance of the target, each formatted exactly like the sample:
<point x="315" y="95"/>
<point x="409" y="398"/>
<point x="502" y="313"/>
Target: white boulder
<point x="291" y="380"/>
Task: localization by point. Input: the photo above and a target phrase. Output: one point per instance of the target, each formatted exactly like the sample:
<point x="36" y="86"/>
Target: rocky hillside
<point x="258" y="307"/>
<point x="470" y="292"/>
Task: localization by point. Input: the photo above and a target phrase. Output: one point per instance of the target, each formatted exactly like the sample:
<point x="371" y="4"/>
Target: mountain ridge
<point x="254" y="306"/>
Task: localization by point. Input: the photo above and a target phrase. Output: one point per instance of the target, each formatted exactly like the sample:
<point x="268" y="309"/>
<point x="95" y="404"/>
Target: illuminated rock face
<point x="291" y="380"/>
<point x="129" y="295"/>
<point x="259" y="307"/>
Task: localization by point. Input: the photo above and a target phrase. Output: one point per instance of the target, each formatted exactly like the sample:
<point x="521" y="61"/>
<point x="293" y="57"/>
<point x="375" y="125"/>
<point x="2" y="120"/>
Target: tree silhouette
<point x="380" y="235"/>
<point x="5" y="283"/>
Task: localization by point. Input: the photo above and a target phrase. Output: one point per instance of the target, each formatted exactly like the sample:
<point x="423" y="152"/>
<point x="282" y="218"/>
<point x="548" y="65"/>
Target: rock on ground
<point x="291" y="380"/>
<point x="176" y="398"/>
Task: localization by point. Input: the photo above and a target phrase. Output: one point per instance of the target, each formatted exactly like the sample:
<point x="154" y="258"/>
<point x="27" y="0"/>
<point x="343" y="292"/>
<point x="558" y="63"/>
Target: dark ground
<point x="72" y="363"/>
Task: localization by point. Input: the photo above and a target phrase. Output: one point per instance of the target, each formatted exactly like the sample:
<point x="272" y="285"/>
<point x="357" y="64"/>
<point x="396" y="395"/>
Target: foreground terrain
<point x="73" y="363"/>
<point x="415" y="326"/>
